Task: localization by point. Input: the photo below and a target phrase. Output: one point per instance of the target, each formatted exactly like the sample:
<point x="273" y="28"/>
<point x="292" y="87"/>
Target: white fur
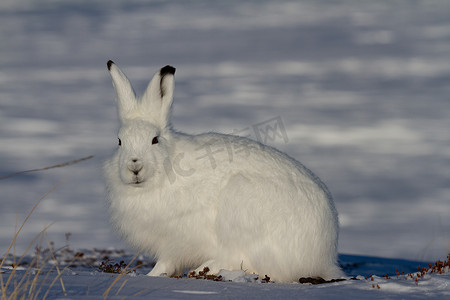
<point x="246" y="206"/>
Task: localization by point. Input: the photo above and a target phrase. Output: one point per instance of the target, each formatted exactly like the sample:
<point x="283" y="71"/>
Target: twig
<point x="47" y="168"/>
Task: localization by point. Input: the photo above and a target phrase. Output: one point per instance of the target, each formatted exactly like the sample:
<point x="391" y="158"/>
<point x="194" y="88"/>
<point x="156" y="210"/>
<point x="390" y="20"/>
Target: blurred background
<point x="358" y="91"/>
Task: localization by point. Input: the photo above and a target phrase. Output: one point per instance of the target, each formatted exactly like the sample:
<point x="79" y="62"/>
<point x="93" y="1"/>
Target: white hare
<point x="213" y="200"/>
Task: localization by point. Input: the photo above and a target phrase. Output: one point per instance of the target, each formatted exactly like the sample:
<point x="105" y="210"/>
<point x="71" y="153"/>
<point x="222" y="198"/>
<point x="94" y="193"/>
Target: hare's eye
<point x="120" y="142"/>
<point x="155" y="140"/>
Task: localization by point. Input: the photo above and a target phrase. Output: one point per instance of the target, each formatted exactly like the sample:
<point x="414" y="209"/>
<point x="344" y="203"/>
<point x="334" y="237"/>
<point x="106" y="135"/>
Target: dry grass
<point x="25" y="279"/>
<point x="28" y="284"/>
<point x="124" y="270"/>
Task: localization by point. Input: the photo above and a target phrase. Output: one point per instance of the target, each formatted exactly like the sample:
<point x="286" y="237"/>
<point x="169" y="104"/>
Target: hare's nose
<point x="135" y="166"/>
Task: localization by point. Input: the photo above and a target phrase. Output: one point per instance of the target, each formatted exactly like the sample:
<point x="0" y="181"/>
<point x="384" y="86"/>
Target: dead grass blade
<point x="47" y="168"/>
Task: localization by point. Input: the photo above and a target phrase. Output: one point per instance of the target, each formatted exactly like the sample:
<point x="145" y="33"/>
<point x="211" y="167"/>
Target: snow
<point x="361" y="89"/>
<point x="85" y="278"/>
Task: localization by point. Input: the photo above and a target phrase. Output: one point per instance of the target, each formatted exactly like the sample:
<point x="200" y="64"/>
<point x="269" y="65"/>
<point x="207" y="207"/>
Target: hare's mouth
<point x="137" y="181"/>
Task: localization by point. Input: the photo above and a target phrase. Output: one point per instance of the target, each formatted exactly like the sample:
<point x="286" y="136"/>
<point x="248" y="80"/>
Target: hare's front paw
<point x="162" y="269"/>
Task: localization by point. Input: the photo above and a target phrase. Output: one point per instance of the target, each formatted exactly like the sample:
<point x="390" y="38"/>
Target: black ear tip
<point x="167" y="70"/>
<point x="109" y="64"/>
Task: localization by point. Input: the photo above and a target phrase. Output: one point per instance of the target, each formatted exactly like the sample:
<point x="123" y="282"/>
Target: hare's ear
<point x="158" y="97"/>
<point x="126" y="97"/>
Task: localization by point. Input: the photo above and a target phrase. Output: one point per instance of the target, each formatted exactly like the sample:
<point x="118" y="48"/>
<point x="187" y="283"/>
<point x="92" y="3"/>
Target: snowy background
<point x="362" y="89"/>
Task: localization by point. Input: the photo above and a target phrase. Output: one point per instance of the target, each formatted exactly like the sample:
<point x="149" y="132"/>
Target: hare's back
<point x="219" y="156"/>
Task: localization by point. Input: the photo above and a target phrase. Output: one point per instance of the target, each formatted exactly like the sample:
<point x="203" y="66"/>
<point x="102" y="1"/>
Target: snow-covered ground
<point x="361" y="89"/>
<point x="91" y="276"/>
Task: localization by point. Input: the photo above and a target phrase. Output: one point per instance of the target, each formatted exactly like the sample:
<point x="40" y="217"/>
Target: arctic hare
<point x="213" y="200"/>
